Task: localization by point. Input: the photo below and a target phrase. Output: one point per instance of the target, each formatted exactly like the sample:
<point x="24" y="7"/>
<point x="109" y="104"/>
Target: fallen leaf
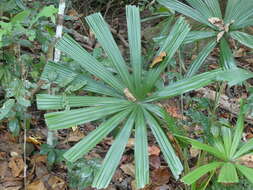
<point x="158" y="59"/>
<point x="160" y="176"/>
<point x="130" y="143"/>
<point x="164" y="187"/>
<point x="39" y="158"/>
<point x="3" y="168"/>
<point x="3" y="155"/>
<point x="174" y="112"/>
<point x="240" y="52"/>
<point x="34" y="140"/>
<point x="194" y="152"/>
<point x="41" y="170"/>
<point x="13" y="188"/>
<point x="250" y="60"/>
<point x="220" y="35"/>
<point x="111" y="187"/>
<point x="128" y="169"/>
<point x="217" y="22"/>
<point x="154" y="161"/>
<point x="75" y="136"/>
<point x="17" y="165"/>
<point x="246" y="160"/>
<point x="36" y="185"/>
<point x="56" y="183"/>
<point x="133" y="185"/>
<point x="154" y="150"/>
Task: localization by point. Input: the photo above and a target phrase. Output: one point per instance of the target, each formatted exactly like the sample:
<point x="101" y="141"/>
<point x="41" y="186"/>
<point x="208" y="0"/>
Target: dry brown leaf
<point x="220" y="35"/>
<point x="13" y="188"/>
<point x="39" y="158"/>
<point x="3" y="155"/>
<point x="133" y="185"/>
<point x="158" y="59"/>
<point x="240" y="52"/>
<point x="250" y="60"/>
<point x="194" y="152"/>
<point x="111" y="187"/>
<point x="34" y="140"/>
<point x="174" y="112"/>
<point x="17" y="165"/>
<point x="56" y="183"/>
<point x="3" y="168"/>
<point x="41" y="170"/>
<point x="154" y="150"/>
<point x="217" y="22"/>
<point x="160" y="176"/>
<point x="130" y="143"/>
<point x="246" y="160"/>
<point x="163" y="187"/>
<point x="155" y="161"/>
<point x="128" y="169"/>
<point x="74" y="13"/>
<point x="36" y="185"/>
<point x="75" y="136"/>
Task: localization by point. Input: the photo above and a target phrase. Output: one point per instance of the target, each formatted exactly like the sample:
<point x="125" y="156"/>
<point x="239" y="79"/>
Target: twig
<point x="120" y="37"/>
<point x="231" y="105"/>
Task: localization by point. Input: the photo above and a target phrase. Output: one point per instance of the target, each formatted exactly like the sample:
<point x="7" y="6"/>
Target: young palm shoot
<point x="219" y="29"/>
<point x="226" y="151"/>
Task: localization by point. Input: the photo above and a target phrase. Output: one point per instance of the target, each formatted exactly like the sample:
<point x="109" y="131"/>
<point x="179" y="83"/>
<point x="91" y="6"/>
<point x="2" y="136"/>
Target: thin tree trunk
<point x="52" y="136"/>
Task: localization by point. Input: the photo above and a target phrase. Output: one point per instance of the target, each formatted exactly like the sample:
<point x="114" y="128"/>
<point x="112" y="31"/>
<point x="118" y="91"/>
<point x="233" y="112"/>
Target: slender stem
<point x="51" y="136"/>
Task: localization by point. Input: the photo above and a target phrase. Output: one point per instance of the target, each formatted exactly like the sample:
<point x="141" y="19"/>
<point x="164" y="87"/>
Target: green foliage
<point x="219" y="29"/>
<point x="120" y="98"/>
<point x="82" y="172"/>
<point x="53" y="155"/>
<point x="226" y="150"/>
<point x="242" y="185"/>
<point x="22" y="30"/>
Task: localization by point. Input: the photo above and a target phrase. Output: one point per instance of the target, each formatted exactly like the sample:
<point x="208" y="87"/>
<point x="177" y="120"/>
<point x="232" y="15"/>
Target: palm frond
<point x="202" y="8"/>
<point x="75" y="117"/>
<point x="170" y="46"/>
<point x="112" y="159"/>
<point x="141" y="151"/>
<point x="90" y="141"/>
<point x="214" y="6"/>
<point x="185" y="10"/>
<point x="197" y="63"/>
<point x="105" y="38"/>
<point x="69" y="46"/>
<point x="243" y="38"/>
<point x="51" y="102"/>
<point x="167" y="150"/>
<point x="134" y="38"/>
<point x="185" y="85"/>
<point x="64" y="73"/>
<point x="194" y="36"/>
<point x="227" y="60"/>
<point x="191" y="37"/>
<point x="193" y="176"/>
<point x="239" y="9"/>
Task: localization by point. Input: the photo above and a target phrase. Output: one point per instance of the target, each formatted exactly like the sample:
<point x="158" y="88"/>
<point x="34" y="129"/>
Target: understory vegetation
<point x="126" y="94"/>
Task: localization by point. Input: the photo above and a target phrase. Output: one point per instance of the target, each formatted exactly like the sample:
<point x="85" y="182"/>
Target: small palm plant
<point x="238" y="15"/>
<point x="127" y="99"/>
<point x="226" y="151"/>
